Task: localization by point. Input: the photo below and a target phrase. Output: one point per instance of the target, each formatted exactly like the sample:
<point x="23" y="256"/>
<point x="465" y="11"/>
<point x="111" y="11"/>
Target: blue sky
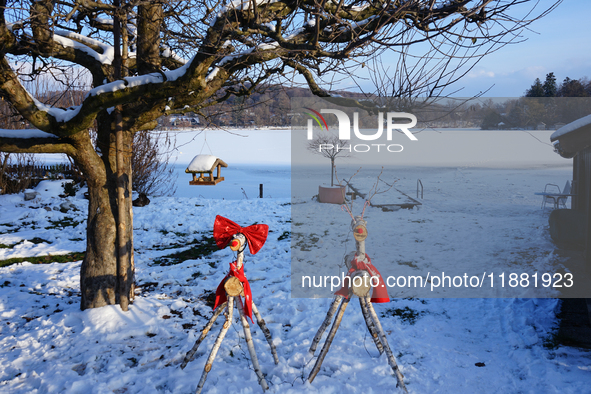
<point x="559" y="43"/>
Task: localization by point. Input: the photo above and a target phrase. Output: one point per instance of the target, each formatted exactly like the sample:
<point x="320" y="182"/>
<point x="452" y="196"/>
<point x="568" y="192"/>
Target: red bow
<point x="380" y="293"/>
<point x="224" y="229"/>
<point x="220" y="293"/>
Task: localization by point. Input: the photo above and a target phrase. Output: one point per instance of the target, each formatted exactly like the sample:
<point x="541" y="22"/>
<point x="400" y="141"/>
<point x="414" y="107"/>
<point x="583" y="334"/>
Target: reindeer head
<point x="238" y="243"/>
<point x="226" y="232"/>
<point x="359" y="227"/>
<point x="358" y="224"/>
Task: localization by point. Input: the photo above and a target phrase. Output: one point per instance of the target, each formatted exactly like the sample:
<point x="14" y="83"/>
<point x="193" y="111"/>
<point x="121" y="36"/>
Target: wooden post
<point x="218" y="172"/>
<point x="261" y="190"/>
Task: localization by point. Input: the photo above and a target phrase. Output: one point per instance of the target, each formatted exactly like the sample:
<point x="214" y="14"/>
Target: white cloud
<point x="480" y="73"/>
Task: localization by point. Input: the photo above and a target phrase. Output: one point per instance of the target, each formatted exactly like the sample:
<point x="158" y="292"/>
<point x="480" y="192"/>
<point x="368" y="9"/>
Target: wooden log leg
<point x="325" y="323"/>
<point x="331" y="334"/>
<point x="266" y="331"/>
<point x="216" y="345"/>
<point x="250" y="344"/>
<point x="363" y="301"/>
<point x="191" y="353"/>
<point x="391" y="359"/>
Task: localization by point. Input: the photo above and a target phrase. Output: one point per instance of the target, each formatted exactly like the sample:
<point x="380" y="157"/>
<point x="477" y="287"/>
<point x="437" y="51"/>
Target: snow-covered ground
<point x="48" y="345"/>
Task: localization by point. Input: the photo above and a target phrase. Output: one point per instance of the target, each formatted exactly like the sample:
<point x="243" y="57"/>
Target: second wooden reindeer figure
<point x="363" y="279"/>
<point x="230" y="290"/>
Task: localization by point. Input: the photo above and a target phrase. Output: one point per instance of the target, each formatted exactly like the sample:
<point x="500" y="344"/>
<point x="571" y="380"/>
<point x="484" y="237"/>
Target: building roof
<point x="572" y="137"/>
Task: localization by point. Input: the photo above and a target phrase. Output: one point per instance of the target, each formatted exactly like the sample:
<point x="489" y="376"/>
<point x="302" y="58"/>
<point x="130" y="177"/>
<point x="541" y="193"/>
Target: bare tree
<point x="146" y="59"/>
<point x="330" y="146"/>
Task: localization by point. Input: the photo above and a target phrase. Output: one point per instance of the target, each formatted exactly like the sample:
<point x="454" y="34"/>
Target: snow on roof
<point x="25" y="134"/>
<point x="572" y="126"/>
<point x="202" y="163"/>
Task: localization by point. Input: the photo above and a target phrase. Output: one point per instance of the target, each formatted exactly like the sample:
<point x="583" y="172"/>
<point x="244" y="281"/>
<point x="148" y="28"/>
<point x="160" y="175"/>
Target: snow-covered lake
<point x="476" y="209"/>
<point x="241" y="182"/>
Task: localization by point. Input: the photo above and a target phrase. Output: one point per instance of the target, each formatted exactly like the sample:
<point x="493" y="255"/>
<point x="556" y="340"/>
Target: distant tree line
<point x="568" y="87"/>
<point x="545" y="105"/>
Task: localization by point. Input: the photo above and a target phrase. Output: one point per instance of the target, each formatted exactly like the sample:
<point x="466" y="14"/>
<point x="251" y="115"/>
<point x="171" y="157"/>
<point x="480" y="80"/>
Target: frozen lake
<point x="241" y="182"/>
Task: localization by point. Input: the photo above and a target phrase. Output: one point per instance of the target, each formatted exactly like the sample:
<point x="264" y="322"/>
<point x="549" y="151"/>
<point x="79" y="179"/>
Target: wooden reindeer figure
<point x="230" y="290"/>
<point x="361" y="279"/>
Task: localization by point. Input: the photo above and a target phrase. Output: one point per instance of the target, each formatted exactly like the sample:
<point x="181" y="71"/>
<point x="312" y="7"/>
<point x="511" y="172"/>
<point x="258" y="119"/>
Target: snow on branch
<point x="169" y="53"/>
<point x="243" y="5"/>
<point x="261" y="47"/>
<point x="25" y="134"/>
<point x="82" y="43"/>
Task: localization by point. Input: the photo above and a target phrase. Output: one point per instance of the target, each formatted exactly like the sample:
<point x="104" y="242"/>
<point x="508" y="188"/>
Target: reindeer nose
<point x="234" y="243"/>
<point x="360" y="233"/>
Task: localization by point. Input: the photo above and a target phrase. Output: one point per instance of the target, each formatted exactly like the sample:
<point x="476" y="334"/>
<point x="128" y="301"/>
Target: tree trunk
<point x="100" y="276"/>
<point x="331" y="171"/>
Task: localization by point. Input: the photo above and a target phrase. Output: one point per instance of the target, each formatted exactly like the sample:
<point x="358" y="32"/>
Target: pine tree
<point x="536" y="90"/>
<point x="571" y="88"/>
<point x="550" y="87"/>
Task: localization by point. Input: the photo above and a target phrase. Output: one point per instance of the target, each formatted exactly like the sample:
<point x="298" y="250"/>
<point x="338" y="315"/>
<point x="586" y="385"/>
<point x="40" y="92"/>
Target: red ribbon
<point x="224" y="229"/>
<point x="221" y="296"/>
<point x="380" y="292"/>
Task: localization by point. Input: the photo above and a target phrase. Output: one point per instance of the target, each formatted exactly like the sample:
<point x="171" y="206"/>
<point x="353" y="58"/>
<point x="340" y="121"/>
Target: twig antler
<point x="345" y="206"/>
<point x="375" y="189"/>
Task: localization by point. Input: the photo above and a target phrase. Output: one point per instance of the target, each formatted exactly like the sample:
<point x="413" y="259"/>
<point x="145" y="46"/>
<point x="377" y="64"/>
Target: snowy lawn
<point x="48" y="345"/>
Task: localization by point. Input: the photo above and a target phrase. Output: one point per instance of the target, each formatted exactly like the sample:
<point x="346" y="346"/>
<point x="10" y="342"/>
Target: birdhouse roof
<point x="203" y="163"/>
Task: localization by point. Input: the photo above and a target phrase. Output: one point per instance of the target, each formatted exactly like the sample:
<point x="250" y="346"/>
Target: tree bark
<point x="98" y="274"/>
<point x="101" y="279"/>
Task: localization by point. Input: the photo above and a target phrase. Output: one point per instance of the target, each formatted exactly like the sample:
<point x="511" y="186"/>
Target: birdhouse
<point x="202" y="168"/>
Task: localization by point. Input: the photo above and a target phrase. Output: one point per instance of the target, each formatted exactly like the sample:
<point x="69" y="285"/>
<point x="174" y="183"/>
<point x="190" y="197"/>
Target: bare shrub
<point x="16" y="172"/>
<point x="153" y="173"/>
